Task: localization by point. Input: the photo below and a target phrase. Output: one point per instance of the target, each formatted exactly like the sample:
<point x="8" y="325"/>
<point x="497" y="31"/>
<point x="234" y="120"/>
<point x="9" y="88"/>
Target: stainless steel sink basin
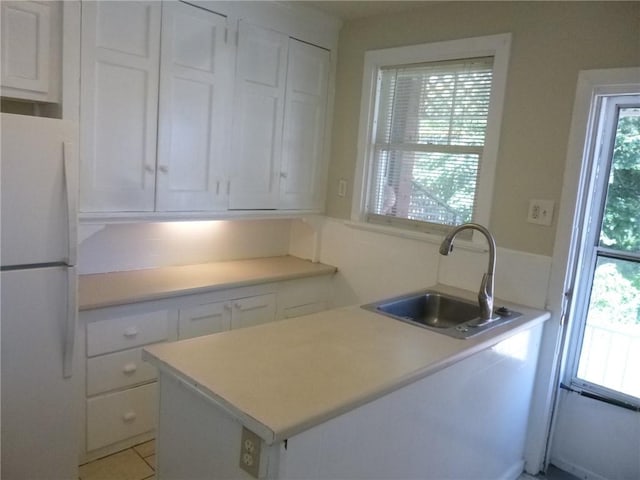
<point x="442" y="313"/>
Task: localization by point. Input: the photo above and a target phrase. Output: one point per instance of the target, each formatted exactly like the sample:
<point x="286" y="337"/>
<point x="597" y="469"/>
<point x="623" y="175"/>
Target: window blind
<point x="430" y="132"/>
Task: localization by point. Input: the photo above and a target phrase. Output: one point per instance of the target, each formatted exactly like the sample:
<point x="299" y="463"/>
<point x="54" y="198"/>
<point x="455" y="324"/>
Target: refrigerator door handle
<point x="70" y="180"/>
<point x="70" y="324"/>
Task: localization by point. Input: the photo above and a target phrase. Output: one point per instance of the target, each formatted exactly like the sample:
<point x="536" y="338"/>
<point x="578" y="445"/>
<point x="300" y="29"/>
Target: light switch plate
<point x="540" y="212"/>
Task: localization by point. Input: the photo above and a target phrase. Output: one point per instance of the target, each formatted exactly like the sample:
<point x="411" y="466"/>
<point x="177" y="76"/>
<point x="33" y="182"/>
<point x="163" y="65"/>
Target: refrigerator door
<point x="38" y="189"/>
<point x="39" y="414"/>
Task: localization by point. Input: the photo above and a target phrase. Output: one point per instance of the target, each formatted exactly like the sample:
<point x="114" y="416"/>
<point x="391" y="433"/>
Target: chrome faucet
<point x="485" y="295"/>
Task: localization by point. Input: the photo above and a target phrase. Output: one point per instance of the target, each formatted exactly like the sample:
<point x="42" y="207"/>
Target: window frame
<point x="496" y="46"/>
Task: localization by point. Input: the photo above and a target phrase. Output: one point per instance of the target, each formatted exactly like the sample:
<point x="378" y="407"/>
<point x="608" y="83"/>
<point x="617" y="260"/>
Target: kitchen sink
<point x="446" y="314"/>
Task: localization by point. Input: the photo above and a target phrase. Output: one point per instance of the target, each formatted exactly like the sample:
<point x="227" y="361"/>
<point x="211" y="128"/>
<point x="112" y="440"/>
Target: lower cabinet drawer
<point x="117" y="416"/>
<point x="117" y="370"/>
<point x="106" y="336"/>
<point x="307" y="309"/>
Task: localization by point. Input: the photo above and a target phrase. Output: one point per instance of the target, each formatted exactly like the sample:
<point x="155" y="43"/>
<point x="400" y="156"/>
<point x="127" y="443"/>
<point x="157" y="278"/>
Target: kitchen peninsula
<point x="346" y="393"/>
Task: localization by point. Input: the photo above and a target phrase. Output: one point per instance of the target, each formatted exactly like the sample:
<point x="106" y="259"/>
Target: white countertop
<point x="120" y="288"/>
<point x="282" y="378"/>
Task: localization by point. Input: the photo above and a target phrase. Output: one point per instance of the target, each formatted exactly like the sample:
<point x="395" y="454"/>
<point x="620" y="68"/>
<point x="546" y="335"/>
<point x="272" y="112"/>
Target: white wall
<point x="115" y="247"/>
<point x="596" y="441"/>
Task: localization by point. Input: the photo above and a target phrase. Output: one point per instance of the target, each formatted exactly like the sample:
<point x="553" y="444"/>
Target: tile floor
<point x="137" y="463"/>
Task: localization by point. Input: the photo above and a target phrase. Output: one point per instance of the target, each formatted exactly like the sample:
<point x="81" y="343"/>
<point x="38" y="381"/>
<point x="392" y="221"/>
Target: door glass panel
<point x="621" y="218"/>
<point x="610" y="354"/>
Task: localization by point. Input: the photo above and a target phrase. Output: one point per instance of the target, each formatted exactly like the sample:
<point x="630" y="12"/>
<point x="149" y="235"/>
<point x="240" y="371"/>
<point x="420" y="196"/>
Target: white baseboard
<point x="514" y="472"/>
<point x="579" y="472"/>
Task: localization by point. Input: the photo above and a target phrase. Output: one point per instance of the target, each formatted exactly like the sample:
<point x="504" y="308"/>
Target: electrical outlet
<point x="342" y="187"/>
<point x="540" y="212"/>
<point x="250" y="446"/>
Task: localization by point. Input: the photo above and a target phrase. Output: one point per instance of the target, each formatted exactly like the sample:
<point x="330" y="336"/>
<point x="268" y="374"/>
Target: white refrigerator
<point x="38" y="312"/>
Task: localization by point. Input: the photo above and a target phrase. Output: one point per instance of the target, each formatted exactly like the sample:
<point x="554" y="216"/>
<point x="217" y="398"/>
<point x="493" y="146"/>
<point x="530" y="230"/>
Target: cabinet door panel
<point x="194" y="85"/>
<point x="257" y="138"/>
<point x="204" y="320"/>
<point x="25" y="45"/>
<point x="303" y="159"/>
<point x="251" y="311"/>
<point x="118" y="118"/>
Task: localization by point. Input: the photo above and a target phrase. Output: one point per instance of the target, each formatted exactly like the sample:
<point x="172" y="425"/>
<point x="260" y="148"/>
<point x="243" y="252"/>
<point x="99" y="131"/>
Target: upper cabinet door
<point x="119" y="102"/>
<point x="303" y="168"/>
<point x="26" y="28"/>
<point x="195" y="81"/>
<point x="258" y="118"/>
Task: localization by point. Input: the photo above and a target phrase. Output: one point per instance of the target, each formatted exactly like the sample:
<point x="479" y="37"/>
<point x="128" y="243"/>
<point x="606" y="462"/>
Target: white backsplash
<point x="373" y="265"/>
<point x="116" y="247"/>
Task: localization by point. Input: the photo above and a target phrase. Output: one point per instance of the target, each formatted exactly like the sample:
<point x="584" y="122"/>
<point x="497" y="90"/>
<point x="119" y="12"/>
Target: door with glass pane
<point x="607" y="355"/>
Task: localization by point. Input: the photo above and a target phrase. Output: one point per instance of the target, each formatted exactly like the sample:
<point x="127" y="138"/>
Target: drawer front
<point x="250" y="311"/>
<point x="307" y="309"/>
<point x="118" y="370"/>
<point x="106" y="336"/>
<point x="117" y="416"/>
<point x="204" y="320"/>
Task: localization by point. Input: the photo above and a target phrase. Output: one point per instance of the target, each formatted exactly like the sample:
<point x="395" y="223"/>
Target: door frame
<point x="591" y="85"/>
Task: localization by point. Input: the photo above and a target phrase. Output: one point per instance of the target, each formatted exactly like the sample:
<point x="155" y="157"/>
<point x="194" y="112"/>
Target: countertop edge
<point x="167" y="293"/>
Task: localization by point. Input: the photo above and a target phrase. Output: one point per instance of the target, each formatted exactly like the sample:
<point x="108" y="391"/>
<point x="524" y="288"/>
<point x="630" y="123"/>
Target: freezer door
<point x="39" y="409"/>
<point x="38" y="192"/>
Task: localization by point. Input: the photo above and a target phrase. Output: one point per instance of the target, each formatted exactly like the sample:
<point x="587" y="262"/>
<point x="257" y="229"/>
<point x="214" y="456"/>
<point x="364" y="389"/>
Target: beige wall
<point x="551" y="42"/>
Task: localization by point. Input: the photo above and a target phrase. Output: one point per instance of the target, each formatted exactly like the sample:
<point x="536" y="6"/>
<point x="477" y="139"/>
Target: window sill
<point x="432" y="238"/>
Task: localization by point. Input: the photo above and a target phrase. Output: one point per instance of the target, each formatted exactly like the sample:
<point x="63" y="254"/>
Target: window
<point x="428" y="133"/>
<point x="607" y="357"/>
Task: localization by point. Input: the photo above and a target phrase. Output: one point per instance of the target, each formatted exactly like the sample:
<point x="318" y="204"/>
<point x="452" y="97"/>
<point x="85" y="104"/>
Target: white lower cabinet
<point x="220" y="316"/>
<point x="203" y="320"/>
<point x="248" y="312"/>
<point x="304" y="296"/>
<point x="118" y="370"/>
<point x="120" y="388"/>
<point x="120" y="415"/>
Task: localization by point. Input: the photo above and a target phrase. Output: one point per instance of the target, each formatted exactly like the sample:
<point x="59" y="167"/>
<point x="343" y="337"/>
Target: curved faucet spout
<point x="485" y="295"/>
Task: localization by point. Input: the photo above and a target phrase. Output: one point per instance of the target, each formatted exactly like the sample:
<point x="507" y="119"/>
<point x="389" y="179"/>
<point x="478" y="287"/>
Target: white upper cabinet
<point x="31" y="37"/>
<point x="195" y="81"/>
<point x="279" y="122"/>
<point x="119" y="98"/>
<point x="258" y="118"/>
<point x="303" y="169"/>
<point x="135" y="94"/>
<point x="187" y="110"/>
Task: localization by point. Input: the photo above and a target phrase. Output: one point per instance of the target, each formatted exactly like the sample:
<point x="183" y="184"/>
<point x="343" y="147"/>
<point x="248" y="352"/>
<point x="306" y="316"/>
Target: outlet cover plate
<point x="250" y="447"/>
<point x="540" y="212"/>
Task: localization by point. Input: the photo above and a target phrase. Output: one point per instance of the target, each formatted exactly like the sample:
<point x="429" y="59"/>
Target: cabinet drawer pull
<point x="129" y="368"/>
<point x="131" y="332"/>
<point x="149" y="168"/>
<point x="163" y="168"/>
<point x="227" y="306"/>
<point x="129" y="417"/>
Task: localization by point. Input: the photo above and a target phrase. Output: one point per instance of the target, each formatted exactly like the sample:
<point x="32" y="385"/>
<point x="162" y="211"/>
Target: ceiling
<point x="349" y="10"/>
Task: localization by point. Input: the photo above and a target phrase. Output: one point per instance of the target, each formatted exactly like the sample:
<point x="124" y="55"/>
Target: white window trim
<point x="497" y="46"/>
